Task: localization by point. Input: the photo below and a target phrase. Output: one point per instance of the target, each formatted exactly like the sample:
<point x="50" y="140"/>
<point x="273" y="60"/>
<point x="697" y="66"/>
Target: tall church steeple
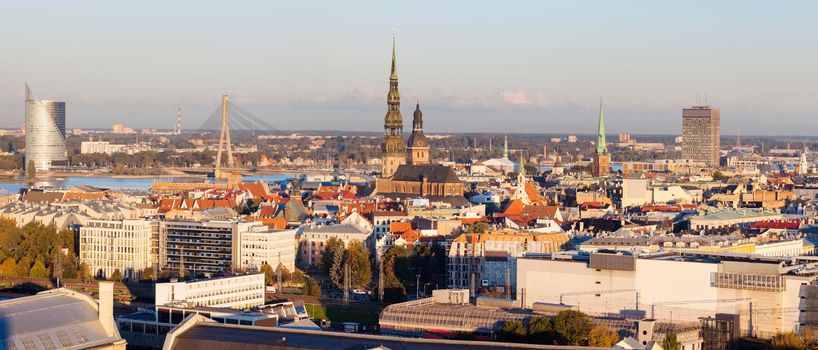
<point x="393" y="147"/>
<point x="601" y="164"/>
<point x="601" y="147"/>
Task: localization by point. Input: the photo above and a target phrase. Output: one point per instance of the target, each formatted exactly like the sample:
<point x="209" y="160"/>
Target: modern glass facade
<point x="45" y="132"/>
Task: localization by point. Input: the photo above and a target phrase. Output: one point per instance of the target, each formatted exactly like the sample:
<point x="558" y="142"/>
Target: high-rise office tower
<point x="45" y="132"/>
<point x="701" y="132"/>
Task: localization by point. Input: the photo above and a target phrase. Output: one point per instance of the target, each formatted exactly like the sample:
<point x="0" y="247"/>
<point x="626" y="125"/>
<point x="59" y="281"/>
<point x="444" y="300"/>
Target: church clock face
<point x="420" y="143"/>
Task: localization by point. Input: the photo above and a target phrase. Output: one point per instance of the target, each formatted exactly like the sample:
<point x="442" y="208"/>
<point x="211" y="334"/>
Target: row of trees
<point x="569" y="327"/>
<point x="37" y="250"/>
<point x="337" y="258"/>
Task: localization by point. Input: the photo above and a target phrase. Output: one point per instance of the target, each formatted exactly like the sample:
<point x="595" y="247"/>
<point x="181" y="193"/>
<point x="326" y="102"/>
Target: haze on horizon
<point x="518" y="66"/>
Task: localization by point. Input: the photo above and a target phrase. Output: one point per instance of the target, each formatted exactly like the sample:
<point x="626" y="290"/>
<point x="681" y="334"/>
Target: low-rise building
<point x="233" y="292"/>
<point x="682" y="287"/>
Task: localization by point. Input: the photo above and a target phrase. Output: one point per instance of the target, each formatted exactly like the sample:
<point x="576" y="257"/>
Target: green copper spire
<point x="601" y="147"/>
<point x="522" y="165"/>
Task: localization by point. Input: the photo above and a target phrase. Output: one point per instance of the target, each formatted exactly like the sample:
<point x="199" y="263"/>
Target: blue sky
<point x="502" y="66"/>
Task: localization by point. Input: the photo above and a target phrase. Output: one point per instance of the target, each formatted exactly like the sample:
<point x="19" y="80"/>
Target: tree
<point x="8" y="268"/>
<point x="297" y="277"/>
<point x="602" y="336"/>
<point x="719" y="176"/>
<point x="38" y="270"/>
<point x="541" y="330"/>
<point x="334" y="248"/>
<point x="269" y="275"/>
<point x="84" y="272"/>
<point x="23" y="266"/>
<point x="571" y="327"/>
<point x="671" y="342"/>
<point x="31" y="169"/>
<point x="479" y="227"/>
<point x="788" y="341"/>
<point x="311" y="287"/>
<point x="147" y="275"/>
<point x="116" y="276"/>
<point x="512" y="332"/>
<point x="285" y="273"/>
<point x="360" y="269"/>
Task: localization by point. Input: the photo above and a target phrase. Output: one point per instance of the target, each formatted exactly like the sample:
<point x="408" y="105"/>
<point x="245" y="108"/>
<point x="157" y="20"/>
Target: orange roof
<point x="257" y="189"/>
<point x="533" y="194"/>
<point x="83" y="195"/>
<point x="515" y="207"/>
<point x="400" y="226"/>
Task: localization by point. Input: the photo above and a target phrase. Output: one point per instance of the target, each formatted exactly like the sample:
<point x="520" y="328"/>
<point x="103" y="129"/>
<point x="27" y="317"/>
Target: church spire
<point x="393" y="147"/>
<point x="505" y="147"/>
<point x="601" y="147"/>
<point x="394" y="75"/>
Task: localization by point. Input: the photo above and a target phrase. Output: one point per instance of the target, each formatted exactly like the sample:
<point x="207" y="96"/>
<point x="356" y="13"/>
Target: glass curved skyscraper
<point x="45" y="132"/>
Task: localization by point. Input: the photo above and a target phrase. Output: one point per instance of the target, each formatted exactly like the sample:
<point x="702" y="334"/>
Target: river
<point x="116" y="183"/>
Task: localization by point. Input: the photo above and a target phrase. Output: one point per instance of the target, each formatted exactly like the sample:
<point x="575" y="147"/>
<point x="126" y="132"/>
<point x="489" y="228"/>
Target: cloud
<point x="523" y="99"/>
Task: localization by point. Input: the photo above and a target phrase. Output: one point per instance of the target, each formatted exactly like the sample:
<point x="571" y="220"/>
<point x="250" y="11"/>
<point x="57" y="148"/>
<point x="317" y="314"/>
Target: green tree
<point x="311" y="287"/>
<point x="541" y="330"/>
<point x="395" y="261"/>
<point x="38" y="270"/>
<point x="269" y="275"/>
<point x="719" y="176"/>
<point x="512" y="332"/>
<point x="360" y="269"/>
<point x="603" y="336"/>
<point x="479" y="227"/>
<point x="571" y="327"/>
<point x="788" y="341"/>
<point x="333" y="249"/>
<point x="116" y="276"/>
<point x="671" y="342"/>
<point x="31" y="169"/>
<point x="8" y="268"/>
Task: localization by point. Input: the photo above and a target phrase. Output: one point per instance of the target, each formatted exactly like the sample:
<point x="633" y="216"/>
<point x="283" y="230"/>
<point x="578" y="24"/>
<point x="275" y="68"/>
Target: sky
<point x="475" y="66"/>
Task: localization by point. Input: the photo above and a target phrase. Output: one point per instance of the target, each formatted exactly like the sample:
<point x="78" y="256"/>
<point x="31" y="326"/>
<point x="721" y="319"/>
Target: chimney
<point x="106" y="307"/>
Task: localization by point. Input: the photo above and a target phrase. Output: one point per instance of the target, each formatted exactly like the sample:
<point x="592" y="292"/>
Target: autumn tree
<point x="603" y="336"/>
<point x="38" y="270"/>
<point x="8" y="268"/>
<point x="269" y="278"/>
<point x="285" y="273"/>
<point x="297" y="277"/>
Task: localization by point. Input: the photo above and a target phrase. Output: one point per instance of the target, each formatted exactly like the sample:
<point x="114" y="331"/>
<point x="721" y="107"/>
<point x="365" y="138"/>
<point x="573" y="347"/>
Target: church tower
<point x="601" y="165"/>
<point x="417" y="149"/>
<point x="393" y="146"/>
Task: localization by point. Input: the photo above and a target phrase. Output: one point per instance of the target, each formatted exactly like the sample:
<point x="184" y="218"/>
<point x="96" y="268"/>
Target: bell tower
<point x="417" y="149"/>
<point x="393" y="147"/>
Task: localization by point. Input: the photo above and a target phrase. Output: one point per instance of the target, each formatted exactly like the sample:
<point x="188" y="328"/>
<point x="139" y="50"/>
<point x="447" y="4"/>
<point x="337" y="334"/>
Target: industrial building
<point x="765" y="291"/>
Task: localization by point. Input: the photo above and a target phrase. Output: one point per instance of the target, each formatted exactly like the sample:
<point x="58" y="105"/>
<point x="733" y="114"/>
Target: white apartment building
<point x="233" y="292"/>
<point x="106" y="147"/>
<point x="109" y="245"/>
<point x="764" y="291"/>
<point x="259" y="245"/>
